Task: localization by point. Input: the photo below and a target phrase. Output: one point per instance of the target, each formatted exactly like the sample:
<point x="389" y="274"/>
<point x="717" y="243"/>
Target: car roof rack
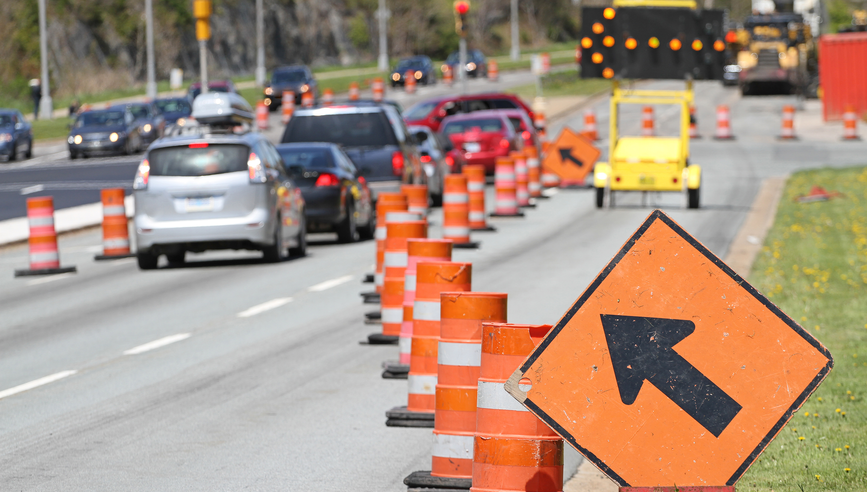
<point x="216" y="113"/>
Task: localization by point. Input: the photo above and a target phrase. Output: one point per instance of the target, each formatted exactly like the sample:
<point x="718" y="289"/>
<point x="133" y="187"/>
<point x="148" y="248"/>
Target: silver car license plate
<point x="199" y="204"/>
<point x="472" y="147"/>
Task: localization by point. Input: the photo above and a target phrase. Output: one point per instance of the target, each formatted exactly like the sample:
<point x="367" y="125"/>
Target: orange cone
<point x="378" y="88"/>
<point x="647" y="121"/>
<point x="506" y="189"/>
<point x="261" y="115"/>
<point x="448" y="76"/>
<point x="850" y="124"/>
<point x="493" y="70"/>
<point x="288" y="106"/>
<point x="386" y="202"/>
<point x="44" y="256"/>
<point x="723" y="128"/>
<point x="522" y="180"/>
<point x="787" y="132"/>
<point x="513" y="450"/>
<point x="432" y="279"/>
<point x="307" y="99"/>
<point x="590" y="125"/>
<point x="354" y="93"/>
<point x="476" y="191"/>
<point x="416" y="198"/>
<point x="541" y="124"/>
<point x="693" y="124"/>
<point x="409" y="82"/>
<point x="327" y="97"/>
<point x="418" y="251"/>
<point x="534" y="172"/>
<point x="456" y="211"/>
<point x="115" y="229"/>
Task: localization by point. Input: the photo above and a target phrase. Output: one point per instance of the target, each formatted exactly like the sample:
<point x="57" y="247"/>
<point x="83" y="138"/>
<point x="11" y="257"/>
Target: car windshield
<point x="289" y="77"/>
<point x="198" y="160"/>
<point x="412" y="63"/>
<point x="349" y="130"/>
<point x="174" y="106"/>
<point x="307" y="157"/>
<point x="6" y="120"/>
<point x="194" y="93"/>
<point x="478" y="125"/>
<point x="454" y="58"/>
<point x="100" y="118"/>
<point x="420" y="111"/>
<point x="138" y="111"/>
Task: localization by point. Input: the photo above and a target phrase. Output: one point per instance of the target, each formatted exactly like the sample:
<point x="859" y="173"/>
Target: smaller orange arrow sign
<point x="571" y="157"/>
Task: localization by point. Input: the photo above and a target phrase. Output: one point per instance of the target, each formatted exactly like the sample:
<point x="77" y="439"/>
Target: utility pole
<point x="151" y="91"/>
<point x="202" y="13"/>
<point x="260" y="44"/>
<point x="383" y="14"/>
<point x="46" y="107"/>
<point x="515" y="52"/>
<point x="462" y="7"/>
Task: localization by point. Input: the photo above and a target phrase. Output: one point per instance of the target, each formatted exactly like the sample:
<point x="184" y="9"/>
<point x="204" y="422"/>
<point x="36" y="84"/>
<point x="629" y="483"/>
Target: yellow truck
<point x="648" y="164"/>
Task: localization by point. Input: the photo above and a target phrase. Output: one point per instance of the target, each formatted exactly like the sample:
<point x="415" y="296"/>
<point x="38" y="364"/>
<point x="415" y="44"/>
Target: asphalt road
<point x="77" y="182"/>
<point x="286" y="398"/>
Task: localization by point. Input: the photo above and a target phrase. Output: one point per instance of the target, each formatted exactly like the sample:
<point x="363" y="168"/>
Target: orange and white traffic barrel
<point x="456" y="211"/>
<point x="647" y="121"/>
<point x="850" y="124"/>
<point x="787" y="132"/>
<point x="287" y="104"/>
<point x="513" y="447"/>
<point x="378" y="87"/>
<point x="327" y="97"/>
<point x="522" y="180"/>
<point x="693" y="123"/>
<point x="115" y="228"/>
<point x="458" y="358"/>
<point x="409" y="82"/>
<point x="534" y="172"/>
<point x="493" y="70"/>
<point x="354" y="93"/>
<point x="590" y="130"/>
<point x="505" y="185"/>
<point x="418" y="250"/>
<point x="400" y="226"/>
<point x="448" y="76"/>
<point x="385" y="203"/>
<point x="432" y="279"/>
<point x="307" y="99"/>
<point x="723" y="123"/>
<point x="261" y="115"/>
<point x="44" y="256"/>
<point x="550" y="180"/>
<point x="540" y="123"/>
<point x="416" y="198"/>
<point x="476" y="192"/>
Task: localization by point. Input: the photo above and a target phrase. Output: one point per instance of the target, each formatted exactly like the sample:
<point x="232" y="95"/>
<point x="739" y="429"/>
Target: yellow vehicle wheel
<point x="600" y="197"/>
<point x="693" y="197"/>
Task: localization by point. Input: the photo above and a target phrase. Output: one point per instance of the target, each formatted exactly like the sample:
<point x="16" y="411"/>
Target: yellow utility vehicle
<point x="648" y="164"/>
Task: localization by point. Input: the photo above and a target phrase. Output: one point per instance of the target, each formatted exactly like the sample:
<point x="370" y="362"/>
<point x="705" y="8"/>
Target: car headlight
<point x="305" y="88"/>
<point x="471" y="66"/>
<point x="395" y="77"/>
<point x="417" y="74"/>
<point x="182" y="121"/>
<point x="269" y="91"/>
<point x="147" y="128"/>
<point x="77" y="139"/>
<point x="5" y="137"/>
<point x="113" y="137"/>
<point x="444" y="68"/>
<point x="70" y="139"/>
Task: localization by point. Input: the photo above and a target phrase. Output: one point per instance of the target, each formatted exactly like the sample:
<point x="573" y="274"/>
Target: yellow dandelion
<point x="820" y="398"/>
<point x="838" y="410"/>
<point x="846" y="446"/>
<point x="848" y="392"/>
<point x="815" y="415"/>
<point x="843" y="413"/>
<point x="804" y="318"/>
<point x="806" y="414"/>
<point x="851" y="397"/>
<point x="847" y="470"/>
<point x="801" y="438"/>
<point x="817" y="327"/>
<point x="814" y="427"/>
<point x="838" y="449"/>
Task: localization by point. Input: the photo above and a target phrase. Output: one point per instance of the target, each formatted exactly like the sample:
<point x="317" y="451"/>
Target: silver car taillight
<point x="254" y="166"/>
<point x="142" y="175"/>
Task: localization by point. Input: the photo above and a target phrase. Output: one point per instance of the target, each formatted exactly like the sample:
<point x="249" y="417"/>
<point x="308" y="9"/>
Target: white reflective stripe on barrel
<point x="401" y="216"/>
<point x="501" y="176"/>
<point x="459" y="354"/>
<point x="455" y="232"/>
<point x="493" y="396"/>
<point x="473" y="186"/>
<point x="392" y="315"/>
<point x="112" y="210"/>
<point x="426" y="310"/>
<point x="380" y="233"/>
<point x="395" y="258"/>
<point x="44" y="257"/>
<point x="115" y="243"/>
<point x="501" y="203"/>
<point x="456" y="198"/>
<point x="476" y="216"/>
<point x="426" y="385"/>
<point x="48" y="220"/>
<point x="378" y="279"/>
<point x="409" y="283"/>
<point x="404" y="345"/>
<point x="532" y="162"/>
<point x="450" y="446"/>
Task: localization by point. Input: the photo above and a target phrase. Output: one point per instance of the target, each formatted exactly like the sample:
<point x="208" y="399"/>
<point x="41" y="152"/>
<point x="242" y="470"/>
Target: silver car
<point x="215" y="191"/>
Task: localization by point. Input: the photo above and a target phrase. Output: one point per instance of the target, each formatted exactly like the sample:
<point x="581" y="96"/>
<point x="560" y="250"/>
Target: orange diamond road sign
<point x="571" y="157"/>
<point x="670" y="369"/>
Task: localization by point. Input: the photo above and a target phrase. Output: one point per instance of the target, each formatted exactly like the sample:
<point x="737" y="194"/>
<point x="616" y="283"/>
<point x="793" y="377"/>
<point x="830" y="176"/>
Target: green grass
<point x="563" y="84"/>
<point x="814" y="266"/>
<point x="51" y="129"/>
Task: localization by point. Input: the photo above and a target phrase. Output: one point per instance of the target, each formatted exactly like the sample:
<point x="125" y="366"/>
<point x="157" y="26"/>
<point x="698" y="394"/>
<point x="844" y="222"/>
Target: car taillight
<point x="504" y="143"/>
<point x="397" y="163"/>
<point x="327" y="179"/>
<point x="526" y="136"/>
<point x="425" y="159"/>
<point x="450" y="161"/>
<point x="362" y="180"/>
<point x="142" y="175"/>
<point x="255" y="168"/>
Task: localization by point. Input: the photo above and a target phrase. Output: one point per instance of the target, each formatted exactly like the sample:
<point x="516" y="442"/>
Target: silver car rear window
<point x="198" y="160"/>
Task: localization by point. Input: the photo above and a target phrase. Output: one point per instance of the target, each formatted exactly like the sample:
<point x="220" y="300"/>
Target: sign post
<point x="670" y="369"/>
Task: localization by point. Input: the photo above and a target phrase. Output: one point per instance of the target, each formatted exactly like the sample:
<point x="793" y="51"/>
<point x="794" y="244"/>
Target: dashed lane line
<point x="265" y="306"/>
<point x="36" y="383"/>
<point x="330" y="283"/>
<point x="162" y="342"/>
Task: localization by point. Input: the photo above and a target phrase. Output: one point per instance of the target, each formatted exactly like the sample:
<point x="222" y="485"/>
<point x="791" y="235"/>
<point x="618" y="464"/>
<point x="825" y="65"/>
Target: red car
<point x="482" y="136"/>
<point x="524" y="126"/>
<point x="431" y="112"/>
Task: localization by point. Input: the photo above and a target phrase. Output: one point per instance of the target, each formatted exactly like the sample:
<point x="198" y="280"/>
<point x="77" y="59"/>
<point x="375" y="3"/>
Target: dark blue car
<point x="174" y="109"/>
<point x="113" y="130"/>
<point x="16" y="135"/>
<point x="148" y="117"/>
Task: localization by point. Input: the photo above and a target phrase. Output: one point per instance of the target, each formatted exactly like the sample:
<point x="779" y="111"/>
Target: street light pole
<point x="382" y="13"/>
<point x="515" y="52"/>
<point x="46" y="108"/>
<point x="149" y="28"/>
<point x="260" y="44"/>
<point x="203" y="64"/>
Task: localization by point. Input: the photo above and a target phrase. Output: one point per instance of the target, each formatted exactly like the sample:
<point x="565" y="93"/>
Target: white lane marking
<point x="265" y="306"/>
<point x="94" y="249"/>
<point x="330" y="283"/>
<point x="550" y="192"/>
<point x="51" y="278"/>
<point x="32" y="189"/>
<point x="162" y="342"/>
<point x="35" y="383"/>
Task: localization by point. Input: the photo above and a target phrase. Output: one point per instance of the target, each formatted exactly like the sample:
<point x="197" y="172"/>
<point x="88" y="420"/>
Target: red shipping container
<point x="843" y="73"/>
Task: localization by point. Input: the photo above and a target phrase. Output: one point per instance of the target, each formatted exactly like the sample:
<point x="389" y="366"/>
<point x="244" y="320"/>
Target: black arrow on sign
<point x="642" y="349"/>
<point x="566" y="155"/>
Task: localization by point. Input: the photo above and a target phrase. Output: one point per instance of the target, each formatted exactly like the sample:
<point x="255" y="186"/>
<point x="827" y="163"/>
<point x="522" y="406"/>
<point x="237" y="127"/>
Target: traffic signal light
<point x="202" y="14"/>
<point x="652" y="43"/>
<point x="462" y="7"/>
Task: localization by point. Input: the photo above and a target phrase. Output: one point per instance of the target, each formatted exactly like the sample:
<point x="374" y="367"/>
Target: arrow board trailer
<point x="670" y="369"/>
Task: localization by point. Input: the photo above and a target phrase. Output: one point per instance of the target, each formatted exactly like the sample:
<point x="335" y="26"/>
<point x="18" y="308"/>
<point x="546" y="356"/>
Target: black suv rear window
<point x="349" y="130"/>
<point x="198" y="160"/>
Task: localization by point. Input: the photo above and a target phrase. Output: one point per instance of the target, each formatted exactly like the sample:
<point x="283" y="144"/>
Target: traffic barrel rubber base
<point x="380" y="339"/>
<point x="495" y="214"/>
<point x="724" y="139"/>
<point x="469" y="245"/>
<point x="44" y="271"/>
<point x="532" y="204"/>
<point x="370" y="297"/>
<point x="851" y="139"/>
<point x="368" y="278"/>
<point x="113" y="257"/>
<point x="401" y="417"/>
<point x="423" y="481"/>
<point x="782" y="138"/>
<point x="489" y="228"/>
<point x="373" y="315"/>
<point x="395" y="370"/>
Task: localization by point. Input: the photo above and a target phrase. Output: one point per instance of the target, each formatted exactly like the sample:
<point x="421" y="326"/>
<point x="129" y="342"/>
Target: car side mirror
<point x="420" y="136"/>
<point x="19" y="125"/>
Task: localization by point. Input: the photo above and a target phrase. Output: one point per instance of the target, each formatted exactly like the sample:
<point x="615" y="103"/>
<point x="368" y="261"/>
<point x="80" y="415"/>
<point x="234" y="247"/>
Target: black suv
<point x="373" y="135"/>
<point x="296" y="78"/>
